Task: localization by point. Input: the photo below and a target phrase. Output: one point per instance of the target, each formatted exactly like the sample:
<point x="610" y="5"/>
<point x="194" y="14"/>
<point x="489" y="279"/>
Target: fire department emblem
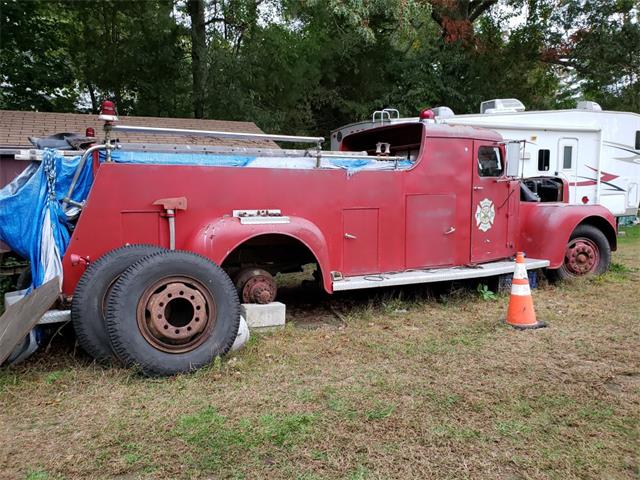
<point x="485" y="214"/>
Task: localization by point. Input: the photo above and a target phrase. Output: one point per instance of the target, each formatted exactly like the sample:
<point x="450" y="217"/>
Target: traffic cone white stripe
<point x="520" y="290"/>
<point x="520" y="272"/>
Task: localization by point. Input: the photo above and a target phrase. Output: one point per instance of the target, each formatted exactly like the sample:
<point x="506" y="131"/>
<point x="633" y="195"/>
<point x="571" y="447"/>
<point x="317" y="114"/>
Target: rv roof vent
<point x="502" y="105"/>
<point x="587" y="105"/>
<point x="443" y="112"/>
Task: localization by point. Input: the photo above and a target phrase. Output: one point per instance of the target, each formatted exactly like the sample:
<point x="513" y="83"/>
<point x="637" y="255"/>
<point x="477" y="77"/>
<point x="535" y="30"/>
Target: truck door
<point x="489" y="204"/>
<point x="568" y="164"/>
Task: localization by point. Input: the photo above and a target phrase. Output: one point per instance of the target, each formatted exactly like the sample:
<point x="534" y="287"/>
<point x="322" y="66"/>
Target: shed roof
<point x="17" y="126"/>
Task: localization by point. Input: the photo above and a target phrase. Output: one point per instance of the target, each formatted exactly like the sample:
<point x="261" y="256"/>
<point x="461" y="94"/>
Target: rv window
<point x="638" y="140"/>
<point x="489" y="162"/>
<point x="543" y="160"/>
<point x="567" y="153"/>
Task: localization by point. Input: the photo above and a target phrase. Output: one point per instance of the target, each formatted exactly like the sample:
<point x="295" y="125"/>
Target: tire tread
<point x="101" y="353"/>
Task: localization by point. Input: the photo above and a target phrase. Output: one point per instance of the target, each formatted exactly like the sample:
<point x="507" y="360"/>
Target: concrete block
<point x="271" y="315"/>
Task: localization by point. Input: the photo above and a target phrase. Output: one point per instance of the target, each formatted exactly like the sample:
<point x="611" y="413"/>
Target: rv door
<point x="568" y="164"/>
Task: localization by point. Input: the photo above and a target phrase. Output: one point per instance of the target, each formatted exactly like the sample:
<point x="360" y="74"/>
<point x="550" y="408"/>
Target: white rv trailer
<point x="597" y="152"/>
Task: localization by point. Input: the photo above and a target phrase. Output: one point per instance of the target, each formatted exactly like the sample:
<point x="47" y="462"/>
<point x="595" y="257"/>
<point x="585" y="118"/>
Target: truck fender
<point x="219" y="237"/>
<point x="545" y="228"/>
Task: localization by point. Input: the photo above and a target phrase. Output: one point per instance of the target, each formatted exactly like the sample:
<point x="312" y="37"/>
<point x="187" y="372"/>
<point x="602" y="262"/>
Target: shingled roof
<point x="16" y="127"/>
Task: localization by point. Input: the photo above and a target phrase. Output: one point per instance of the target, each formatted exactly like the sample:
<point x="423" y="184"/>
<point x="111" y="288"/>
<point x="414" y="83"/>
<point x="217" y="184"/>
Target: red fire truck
<point x="167" y="243"/>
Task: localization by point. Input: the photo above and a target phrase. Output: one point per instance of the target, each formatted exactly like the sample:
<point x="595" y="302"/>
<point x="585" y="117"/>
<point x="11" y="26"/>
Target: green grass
<point x="408" y="384"/>
<point x="631" y="235"/>
<point x="219" y="440"/>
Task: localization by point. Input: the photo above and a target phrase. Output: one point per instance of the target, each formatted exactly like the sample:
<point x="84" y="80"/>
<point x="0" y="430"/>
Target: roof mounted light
<point x="443" y="112"/>
<point x="90" y="132"/>
<point x="427" y="114"/>
<point x="108" y="112"/>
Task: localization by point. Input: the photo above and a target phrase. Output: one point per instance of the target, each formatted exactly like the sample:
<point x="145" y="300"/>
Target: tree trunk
<point x="198" y="55"/>
<point x="456" y="18"/>
<point x="94" y="101"/>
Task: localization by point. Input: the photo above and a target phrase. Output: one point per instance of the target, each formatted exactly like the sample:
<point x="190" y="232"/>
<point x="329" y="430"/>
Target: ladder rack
<point x="259" y="152"/>
<point x="217" y="134"/>
<point x="34" y="154"/>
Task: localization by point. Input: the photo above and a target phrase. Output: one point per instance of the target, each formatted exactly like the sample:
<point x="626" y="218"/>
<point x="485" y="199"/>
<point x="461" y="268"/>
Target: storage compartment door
<point x="430" y="230"/>
<point x="360" y="241"/>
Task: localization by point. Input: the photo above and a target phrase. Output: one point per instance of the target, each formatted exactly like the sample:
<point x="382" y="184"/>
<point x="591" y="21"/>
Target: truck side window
<point x="567" y="153"/>
<point x="489" y="162"/>
<point x="638" y="140"/>
<point x="543" y="160"/>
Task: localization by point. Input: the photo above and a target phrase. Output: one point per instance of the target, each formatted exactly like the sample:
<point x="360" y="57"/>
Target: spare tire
<point x="172" y="312"/>
<point x="90" y="298"/>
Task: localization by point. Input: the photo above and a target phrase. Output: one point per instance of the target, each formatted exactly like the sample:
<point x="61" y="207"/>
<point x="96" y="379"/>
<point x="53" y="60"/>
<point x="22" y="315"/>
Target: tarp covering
<point x="32" y="222"/>
<point x="352" y="165"/>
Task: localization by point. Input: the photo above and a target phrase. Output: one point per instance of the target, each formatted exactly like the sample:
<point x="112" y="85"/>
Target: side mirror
<point x="513" y="158"/>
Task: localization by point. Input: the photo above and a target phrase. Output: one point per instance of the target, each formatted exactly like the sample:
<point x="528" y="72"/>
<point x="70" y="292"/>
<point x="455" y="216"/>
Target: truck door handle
<point x="478" y="188"/>
<point x="348" y="236"/>
<point x="450" y="231"/>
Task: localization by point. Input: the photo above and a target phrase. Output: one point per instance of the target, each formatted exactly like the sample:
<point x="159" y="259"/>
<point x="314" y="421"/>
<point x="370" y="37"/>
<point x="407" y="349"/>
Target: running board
<point x="429" y="275"/>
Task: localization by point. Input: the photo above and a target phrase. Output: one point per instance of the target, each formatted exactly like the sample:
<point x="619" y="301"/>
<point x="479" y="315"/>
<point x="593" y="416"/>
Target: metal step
<point x="55" y="316"/>
<point x="411" y="277"/>
<point x="50" y="316"/>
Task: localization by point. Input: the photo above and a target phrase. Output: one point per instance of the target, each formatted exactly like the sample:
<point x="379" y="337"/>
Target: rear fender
<point x="545" y="228"/>
<point x="218" y="238"/>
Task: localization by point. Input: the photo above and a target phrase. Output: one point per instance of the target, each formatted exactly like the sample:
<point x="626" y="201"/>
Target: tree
<point x="196" y="9"/>
<point x="35" y="71"/>
<point x="603" y="49"/>
<point x="456" y="17"/>
<point x="131" y="52"/>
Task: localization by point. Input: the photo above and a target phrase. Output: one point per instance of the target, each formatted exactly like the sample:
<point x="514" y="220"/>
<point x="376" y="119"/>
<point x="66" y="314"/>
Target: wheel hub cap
<point x="175" y="314"/>
<point x="581" y="256"/>
<point x="259" y="289"/>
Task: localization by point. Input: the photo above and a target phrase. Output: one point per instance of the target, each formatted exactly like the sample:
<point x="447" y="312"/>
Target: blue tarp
<point x="32" y="222"/>
<point x="220" y="160"/>
<point x="159" y="158"/>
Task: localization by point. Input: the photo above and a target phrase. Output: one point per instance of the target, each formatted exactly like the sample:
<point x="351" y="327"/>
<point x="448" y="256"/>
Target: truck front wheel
<point x="587" y="253"/>
<point x="172" y="312"/>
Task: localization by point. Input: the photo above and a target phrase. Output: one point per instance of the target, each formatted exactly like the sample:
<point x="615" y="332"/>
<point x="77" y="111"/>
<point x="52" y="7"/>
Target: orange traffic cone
<point x="521" y="314"/>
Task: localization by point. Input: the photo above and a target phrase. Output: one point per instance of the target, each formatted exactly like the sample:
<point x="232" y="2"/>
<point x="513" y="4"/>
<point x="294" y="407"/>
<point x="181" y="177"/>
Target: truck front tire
<point x="587" y="253"/>
<point x="89" y="299"/>
<point x="172" y="312"/>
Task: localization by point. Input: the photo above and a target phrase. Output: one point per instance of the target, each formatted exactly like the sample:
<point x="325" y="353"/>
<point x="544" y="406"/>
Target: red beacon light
<point x="427" y="114"/>
<point x="90" y="132"/>
<point x="108" y="112"/>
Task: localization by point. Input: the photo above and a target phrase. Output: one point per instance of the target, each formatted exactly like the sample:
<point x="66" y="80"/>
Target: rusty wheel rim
<point x="259" y="289"/>
<point x="176" y="314"/>
<point x="582" y="256"/>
